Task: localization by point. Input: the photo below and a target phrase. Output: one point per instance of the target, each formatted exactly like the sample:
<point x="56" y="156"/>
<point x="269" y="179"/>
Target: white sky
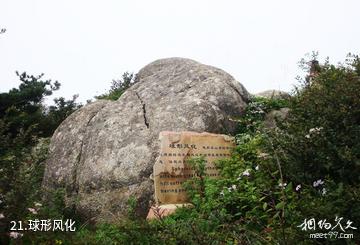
<point x="85" y="44"/>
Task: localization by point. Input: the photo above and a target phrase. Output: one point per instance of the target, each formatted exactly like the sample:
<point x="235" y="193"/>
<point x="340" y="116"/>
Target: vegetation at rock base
<point x="276" y="183"/>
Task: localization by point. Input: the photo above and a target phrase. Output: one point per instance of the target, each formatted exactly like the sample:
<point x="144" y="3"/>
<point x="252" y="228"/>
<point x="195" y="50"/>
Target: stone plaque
<point x="172" y="169"/>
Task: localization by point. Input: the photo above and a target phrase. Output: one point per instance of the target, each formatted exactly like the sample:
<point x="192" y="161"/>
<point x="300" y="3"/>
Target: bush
<point x="118" y="87"/>
<point x="321" y="135"/>
<point x="319" y="141"/>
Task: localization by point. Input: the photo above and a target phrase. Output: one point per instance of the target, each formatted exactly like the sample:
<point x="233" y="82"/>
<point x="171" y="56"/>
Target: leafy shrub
<point x="118" y="87"/>
<point x="320" y="141"/>
<point x="256" y="111"/>
<point x="321" y="135"/>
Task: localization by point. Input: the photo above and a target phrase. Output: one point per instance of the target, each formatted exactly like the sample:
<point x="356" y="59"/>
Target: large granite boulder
<point x="104" y="153"/>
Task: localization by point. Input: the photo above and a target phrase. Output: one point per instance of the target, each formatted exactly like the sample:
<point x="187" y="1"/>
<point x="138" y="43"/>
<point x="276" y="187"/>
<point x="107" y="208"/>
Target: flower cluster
<point x="32" y="210"/>
<point x="318" y="183"/>
<point x="37" y="204"/>
<point x="313" y="131"/>
<point x="282" y="185"/>
<point x="36" y="209"/>
<point x="245" y="173"/>
<point x="256" y="105"/>
<point x="15" y="235"/>
<point x="263" y="155"/>
<point x="257" y="111"/>
<point x="233" y="187"/>
<point x="230" y="189"/>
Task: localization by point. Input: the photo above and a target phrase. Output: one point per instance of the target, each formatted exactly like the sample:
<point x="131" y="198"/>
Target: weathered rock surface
<point x="104" y="153"/>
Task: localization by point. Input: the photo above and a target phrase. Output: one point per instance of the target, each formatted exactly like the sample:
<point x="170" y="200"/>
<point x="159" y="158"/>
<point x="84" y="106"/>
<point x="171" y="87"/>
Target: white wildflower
<point x="229" y="189"/>
<point x="315" y="130"/>
<point x="233" y="187"/>
<point x="222" y="193"/>
<point x="2" y="216"/>
<point x="15" y="235"/>
<point x="283" y="185"/>
<point x="263" y="155"/>
<point x="258" y="111"/>
<point x="32" y="210"/>
<point x="298" y="187"/>
<point x="257" y="168"/>
<point x="239" y="178"/>
<point x="318" y="182"/>
<point x="307" y="136"/>
<point x="246" y="172"/>
<point x="37" y="204"/>
<point x="323" y="191"/>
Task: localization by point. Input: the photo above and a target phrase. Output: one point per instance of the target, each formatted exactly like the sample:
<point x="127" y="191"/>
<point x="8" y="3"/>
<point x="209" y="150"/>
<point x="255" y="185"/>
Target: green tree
<point x="118" y="87"/>
<point x="22" y="110"/>
<point x="25" y="125"/>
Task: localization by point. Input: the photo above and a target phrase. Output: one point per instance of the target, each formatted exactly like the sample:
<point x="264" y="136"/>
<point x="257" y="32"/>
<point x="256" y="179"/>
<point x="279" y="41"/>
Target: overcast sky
<point x="85" y="44"/>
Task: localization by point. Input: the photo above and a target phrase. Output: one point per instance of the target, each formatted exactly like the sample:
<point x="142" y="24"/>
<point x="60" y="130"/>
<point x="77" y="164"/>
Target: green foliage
<point x="195" y="187"/>
<point x="262" y="196"/>
<point x="306" y="167"/>
<point x="256" y="110"/>
<point x="249" y="199"/>
<point x="22" y="111"/>
<point x="118" y="87"/>
<point x="324" y="123"/>
<point x="25" y="125"/>
<point x="131" y="233"/>
<point x="129" y="230"/>
<point x="132" y="202"/>
<point x="20" y="182"/>
<point x="55" y="114"/>
<point x="320" y="140"/>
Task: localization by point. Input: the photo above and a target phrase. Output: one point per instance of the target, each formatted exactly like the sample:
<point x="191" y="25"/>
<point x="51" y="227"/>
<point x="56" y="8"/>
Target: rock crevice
<point x="146" y="122"/>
